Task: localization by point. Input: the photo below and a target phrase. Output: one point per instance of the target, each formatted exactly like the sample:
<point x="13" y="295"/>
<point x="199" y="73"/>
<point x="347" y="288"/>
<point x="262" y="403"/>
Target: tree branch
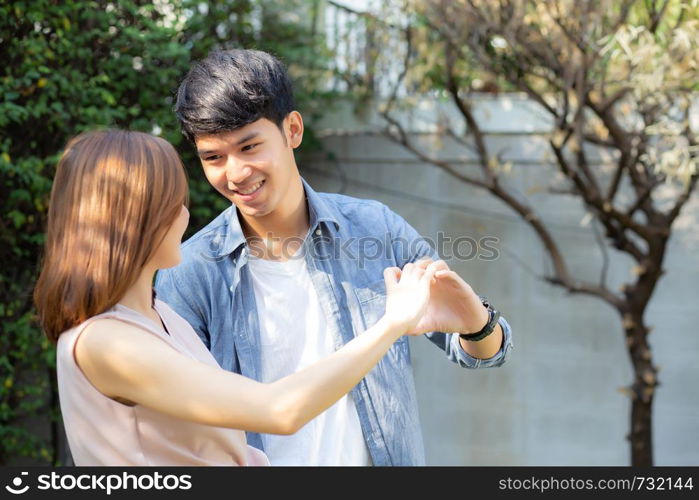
<point x="657" y="16"/>
<point x="561" y="275"/>
<point x="606" y="213"/>
<point x="682" y="200"/>
<point x="623" y="144"/>
<point x="402" y="138"/>
<point x="466" y="111"/>
<point x="605" y="255"/>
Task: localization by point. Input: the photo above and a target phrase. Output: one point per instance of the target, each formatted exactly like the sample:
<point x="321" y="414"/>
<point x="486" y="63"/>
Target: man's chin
<point x="249" y="211"/>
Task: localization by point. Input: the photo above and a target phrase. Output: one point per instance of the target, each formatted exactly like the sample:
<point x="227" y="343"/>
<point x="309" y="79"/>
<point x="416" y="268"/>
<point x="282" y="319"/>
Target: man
<point x="278" y="280"/>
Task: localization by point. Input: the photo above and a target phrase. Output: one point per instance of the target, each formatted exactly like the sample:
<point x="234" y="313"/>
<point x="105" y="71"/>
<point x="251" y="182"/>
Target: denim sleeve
<point x="170" y="290"/>
<point x="452" y="347"/>
<point x="409" y="246"/>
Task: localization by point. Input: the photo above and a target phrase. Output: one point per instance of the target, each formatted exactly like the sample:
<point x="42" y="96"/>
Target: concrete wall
<point x="557" y="401"/>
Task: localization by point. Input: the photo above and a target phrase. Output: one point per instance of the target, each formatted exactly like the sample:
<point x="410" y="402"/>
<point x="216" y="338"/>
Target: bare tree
<point x="617" y="76"/>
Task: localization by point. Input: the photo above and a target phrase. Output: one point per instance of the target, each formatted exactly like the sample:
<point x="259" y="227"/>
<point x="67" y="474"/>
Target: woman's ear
<point x="294" y="129"/>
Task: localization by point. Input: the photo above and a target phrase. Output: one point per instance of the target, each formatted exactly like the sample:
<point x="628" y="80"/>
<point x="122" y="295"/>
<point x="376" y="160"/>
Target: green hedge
<point x="70" y="66"/>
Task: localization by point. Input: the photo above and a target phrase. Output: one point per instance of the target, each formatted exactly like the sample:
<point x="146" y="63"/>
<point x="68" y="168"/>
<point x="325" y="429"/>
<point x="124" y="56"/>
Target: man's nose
<point x="237" y="172"/>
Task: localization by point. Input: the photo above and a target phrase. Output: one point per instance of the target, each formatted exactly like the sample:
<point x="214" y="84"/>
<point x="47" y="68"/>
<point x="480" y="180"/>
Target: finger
<point x="424" y="262"/>
<point x="430" y="272"/>
<point x="452" y="279"/>
<point x="441" y="265"/>
<point x="408" y="272"/>
<point x="441" y="273"/>
<point x="418" y="272"/>
<point x="391" y="275"/>
<point x="412" y="272"/>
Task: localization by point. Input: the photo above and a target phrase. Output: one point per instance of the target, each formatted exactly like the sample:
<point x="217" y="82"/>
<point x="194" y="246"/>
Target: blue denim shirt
<point x="349" y="244"/>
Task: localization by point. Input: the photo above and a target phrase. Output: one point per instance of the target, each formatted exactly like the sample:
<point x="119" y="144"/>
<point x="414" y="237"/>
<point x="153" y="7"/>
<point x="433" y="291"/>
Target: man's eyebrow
<point x="251" y="135"/>
<point x="248" y="137"/>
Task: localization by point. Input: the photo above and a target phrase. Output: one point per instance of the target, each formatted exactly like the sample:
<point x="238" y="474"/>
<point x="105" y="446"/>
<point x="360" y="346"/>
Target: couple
<point x="257" y="323"/>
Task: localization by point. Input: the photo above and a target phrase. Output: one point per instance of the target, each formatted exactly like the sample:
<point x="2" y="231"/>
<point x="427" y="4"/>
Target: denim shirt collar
<point x="232" y="233"/>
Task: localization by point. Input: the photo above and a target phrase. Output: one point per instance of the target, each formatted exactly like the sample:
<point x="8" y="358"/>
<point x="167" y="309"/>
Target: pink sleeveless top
<point x="102" y="431"/>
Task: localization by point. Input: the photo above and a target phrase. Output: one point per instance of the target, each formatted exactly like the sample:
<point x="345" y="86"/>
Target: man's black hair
<point x="233" y="88"/>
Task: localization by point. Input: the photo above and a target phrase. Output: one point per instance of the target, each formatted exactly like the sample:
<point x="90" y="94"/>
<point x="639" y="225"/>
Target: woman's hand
<point x="408" y="293"/>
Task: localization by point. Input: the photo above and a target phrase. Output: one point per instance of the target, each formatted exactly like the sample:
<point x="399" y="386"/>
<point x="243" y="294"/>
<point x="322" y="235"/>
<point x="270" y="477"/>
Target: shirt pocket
<point x="372" y="301"/>
<point x="372" y="304"/>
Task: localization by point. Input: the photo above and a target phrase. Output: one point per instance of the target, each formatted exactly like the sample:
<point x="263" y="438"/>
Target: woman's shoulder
<point x="115" y="330"/>
<point x="119" y="342"/>
<point x="107" y="320"/>
<point x="107" y="334"/>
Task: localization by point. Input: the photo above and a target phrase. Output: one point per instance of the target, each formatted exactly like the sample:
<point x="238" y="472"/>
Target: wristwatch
<point x="493" y="317"/>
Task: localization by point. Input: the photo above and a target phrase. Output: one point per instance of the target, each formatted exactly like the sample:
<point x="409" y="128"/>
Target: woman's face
<point x="168" y="253"/>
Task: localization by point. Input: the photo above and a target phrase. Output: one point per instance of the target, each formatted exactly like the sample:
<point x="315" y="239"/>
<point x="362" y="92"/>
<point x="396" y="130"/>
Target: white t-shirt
<point x="294" y="335"/>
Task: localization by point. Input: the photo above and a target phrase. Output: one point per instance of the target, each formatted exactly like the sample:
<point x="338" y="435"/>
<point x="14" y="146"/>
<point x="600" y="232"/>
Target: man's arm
<point x="482" y="349"/>
<point x="409" y="246"/>
<point x="485" y="348"/>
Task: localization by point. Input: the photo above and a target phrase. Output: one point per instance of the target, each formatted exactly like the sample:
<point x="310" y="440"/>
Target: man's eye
<point x="250" y="146"/>
<point x="212" y="158"/>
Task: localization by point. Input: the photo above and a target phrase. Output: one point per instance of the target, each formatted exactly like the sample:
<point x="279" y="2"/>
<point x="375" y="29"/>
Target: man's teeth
<point x="252" y="189"/>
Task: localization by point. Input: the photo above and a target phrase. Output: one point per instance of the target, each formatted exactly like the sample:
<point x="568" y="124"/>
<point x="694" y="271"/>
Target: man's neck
<point x="279" y="234"/>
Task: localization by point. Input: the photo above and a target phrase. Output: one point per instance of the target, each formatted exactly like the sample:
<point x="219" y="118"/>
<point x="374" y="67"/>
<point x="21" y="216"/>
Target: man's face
<point x="252" y="166"/>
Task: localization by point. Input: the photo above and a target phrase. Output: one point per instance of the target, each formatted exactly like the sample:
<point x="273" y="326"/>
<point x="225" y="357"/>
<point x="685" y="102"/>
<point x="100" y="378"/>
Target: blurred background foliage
<point x="73" y="65"/>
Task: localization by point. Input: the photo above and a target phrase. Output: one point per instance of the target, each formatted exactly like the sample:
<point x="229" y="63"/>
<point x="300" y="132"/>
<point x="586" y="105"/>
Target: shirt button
<point x="318" y="232"/>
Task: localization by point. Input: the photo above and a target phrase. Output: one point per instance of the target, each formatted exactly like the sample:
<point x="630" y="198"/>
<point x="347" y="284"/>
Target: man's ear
<point x="294" y="129"/>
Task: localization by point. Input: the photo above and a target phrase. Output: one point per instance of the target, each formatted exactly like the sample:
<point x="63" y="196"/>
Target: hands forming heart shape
<point x="453" y="306"/>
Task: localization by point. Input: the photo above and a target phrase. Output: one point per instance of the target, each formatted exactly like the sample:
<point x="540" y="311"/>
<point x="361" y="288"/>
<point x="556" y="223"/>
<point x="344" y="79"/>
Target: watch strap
<point x="493" y="317"/>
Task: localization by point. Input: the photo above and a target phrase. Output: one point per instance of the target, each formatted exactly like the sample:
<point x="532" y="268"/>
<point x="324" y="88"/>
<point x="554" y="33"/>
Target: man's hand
<point x="453" y="305"/>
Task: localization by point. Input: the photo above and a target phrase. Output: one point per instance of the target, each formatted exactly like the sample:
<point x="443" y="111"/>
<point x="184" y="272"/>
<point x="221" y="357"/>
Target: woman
<point x="136" y="384"/>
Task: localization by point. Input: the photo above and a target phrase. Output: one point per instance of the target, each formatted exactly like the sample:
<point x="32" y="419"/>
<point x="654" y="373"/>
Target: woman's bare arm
<point x="125" y="362"/>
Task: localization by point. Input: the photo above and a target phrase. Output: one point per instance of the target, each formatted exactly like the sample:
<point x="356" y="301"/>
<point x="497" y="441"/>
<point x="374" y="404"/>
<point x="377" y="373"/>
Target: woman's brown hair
<point x="113" y="198"/>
